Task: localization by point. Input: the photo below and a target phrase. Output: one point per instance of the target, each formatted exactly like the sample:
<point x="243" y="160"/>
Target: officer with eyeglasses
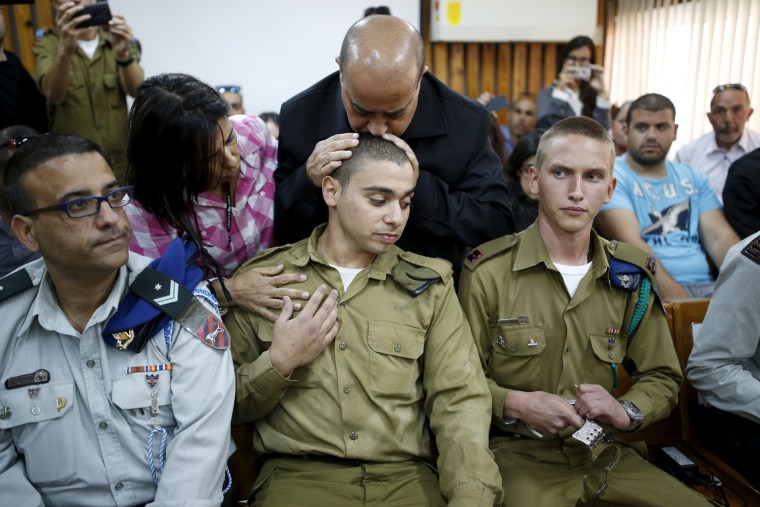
<point x="116" y="381"/>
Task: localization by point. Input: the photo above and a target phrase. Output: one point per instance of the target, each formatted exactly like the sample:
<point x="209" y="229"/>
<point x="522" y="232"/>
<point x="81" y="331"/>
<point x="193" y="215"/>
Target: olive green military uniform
<point x="532" y="336"/>
<point x="397" y="360"/>
<point x="95" y="106"/>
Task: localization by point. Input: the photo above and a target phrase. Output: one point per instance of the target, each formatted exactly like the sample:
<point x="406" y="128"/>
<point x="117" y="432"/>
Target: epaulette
<point x="628" y="264"/>
<point x="15" y="283"/>
<point x="417" y="273"/>
<point x="489" y="249"/>
<point x="752" y="250"/>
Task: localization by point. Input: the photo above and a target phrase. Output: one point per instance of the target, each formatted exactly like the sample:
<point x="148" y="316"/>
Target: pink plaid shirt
<point x="252" y="212"/>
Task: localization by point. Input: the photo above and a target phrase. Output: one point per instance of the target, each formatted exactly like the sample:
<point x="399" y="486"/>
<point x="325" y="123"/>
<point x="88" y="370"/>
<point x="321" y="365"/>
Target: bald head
<point x="384" y="44"/>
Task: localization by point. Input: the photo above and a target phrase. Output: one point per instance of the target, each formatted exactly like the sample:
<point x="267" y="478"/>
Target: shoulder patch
<point x="417" y="273"/>
<point x="752" y="251"/>
<point x="621" y="254"/>
<point x="14" y="283"/>
<point x="487" y="250"/>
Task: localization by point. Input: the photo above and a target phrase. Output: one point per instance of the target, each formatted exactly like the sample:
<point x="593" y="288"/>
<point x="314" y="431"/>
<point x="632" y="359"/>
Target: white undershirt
<point x="572" y="275"/>
<point x="347" y="275"/>
<point x="89" y="46"/>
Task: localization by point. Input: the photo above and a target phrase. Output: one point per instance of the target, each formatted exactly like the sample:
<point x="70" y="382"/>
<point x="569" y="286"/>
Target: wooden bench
<point x="681" y="428"/>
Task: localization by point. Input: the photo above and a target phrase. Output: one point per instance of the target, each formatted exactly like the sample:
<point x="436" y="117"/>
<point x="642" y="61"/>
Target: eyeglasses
<point x="86" y="206"/>
<point x="228" y="88"/>
<point x="15" y="142"/>
<point x="730" y="86"/>
<point x="584" y="60"/>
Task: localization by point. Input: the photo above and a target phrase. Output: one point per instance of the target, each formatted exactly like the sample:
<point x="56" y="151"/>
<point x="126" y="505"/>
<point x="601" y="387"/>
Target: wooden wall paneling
<point x="550" y="64"/>
<point x="519" y="68"/>
<point x="456" y="67"/>
<point x="24" y="28"/>
<point x="441" y="61"/>
<point x="504" y="76"/>
<point x="45" y="17"/>
<point x="535" y="68"/>
<point x="473" y="69"/>
<point x="489" y="68"/>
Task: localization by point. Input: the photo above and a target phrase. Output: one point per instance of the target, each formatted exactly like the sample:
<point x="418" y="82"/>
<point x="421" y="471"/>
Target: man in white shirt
<point x="714" y="152"/>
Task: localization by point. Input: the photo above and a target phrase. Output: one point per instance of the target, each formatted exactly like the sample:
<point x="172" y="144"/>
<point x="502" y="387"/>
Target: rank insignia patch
<point x="652" y="265"/>
<point x="474" y="256"/>
<point x="752" y="251"/>
<point x="151" y="379"/>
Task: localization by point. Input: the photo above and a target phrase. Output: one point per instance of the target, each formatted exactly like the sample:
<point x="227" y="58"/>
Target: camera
<point x="581" y="73"/>
<point x="100" y="14"/>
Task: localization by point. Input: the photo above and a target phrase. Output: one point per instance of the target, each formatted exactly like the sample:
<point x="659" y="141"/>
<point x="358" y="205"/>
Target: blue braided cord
<point x="168" y="330"/>
<point x="161" y="453"/>
<point x="208" y="297"/>
<point x="615" y="378"/>
<point x="228" y="475"/>
<point x="641" y="305"/>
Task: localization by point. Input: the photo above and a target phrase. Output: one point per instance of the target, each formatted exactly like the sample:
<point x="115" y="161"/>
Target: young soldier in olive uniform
<point x="341" y="394"/>
<point x="556" y="311"/>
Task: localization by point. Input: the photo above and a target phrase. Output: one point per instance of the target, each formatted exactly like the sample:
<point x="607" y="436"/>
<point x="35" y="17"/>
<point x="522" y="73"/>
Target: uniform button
<point x="347" y="390"/>
<point x="397" y="347"/>
<point x="119" y="486"/>
<point x="91" y="364"/>
<point x="561" y="390"/>
<point x="567" y="349"/>
<point x="103" y="425"/>
<point x="342" y="346"/>
<point x="611" y="355"/>
<point x="353" y="435"/>
<point x="513" y="348"/>
<point x="35" y="410"/>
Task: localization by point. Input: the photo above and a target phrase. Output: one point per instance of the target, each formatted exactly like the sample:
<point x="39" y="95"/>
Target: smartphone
<point x="100" y="12"/>
<point x="496" y="103"/>
<point x="582" y="73"/>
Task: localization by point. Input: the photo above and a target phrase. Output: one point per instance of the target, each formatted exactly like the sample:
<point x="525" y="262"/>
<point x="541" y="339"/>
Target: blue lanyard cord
<point x="161" y="453"/>
<point x="228" y="475"/>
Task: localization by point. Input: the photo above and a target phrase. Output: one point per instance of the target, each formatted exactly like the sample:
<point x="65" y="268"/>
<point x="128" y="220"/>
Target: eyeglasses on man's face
<point x="86" y="206"/>
<point x="228" y="88"/>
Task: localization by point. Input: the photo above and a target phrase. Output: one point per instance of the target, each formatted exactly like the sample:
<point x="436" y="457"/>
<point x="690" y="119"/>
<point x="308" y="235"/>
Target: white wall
<point x="273" y="49"/>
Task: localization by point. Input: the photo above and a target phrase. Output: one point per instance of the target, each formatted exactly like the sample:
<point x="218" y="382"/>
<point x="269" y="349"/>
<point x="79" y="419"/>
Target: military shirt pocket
<point x="134" y="396"/>
<point x="608" y="348"/>
<point x="40" y="424"/>
<point x="111" y="85"/>
<point x="394" y="365"/>
<point x="516" y="352"/>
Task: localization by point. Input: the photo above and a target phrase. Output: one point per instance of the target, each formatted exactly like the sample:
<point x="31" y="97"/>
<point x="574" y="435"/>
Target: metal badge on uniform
<point x="60" y="403"/>
<point x="33" y="392"/>
<point x="500" y="342"/>
<point x="151" y="379"/>
<point x="652" y="265"/>
<point x="40" y="376"/>
<point x="124" y="338"/>
<point x="5" y="412"/>
<point x="532" y="343"/>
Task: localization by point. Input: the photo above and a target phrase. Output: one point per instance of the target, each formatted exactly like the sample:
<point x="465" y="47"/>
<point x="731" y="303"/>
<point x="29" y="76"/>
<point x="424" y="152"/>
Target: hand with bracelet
<point x="260" y="290"/>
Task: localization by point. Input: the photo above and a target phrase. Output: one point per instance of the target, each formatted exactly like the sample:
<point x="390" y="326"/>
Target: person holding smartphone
<point x="85" y="72"/>
<point x="579" y="89"/>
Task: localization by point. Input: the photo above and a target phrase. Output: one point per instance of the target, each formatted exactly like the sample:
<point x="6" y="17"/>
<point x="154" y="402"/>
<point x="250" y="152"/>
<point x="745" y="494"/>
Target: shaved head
<point x="382" y="44"/>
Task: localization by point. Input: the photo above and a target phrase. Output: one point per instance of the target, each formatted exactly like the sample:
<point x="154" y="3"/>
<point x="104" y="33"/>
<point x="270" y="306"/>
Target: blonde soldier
<point x="556" y="311"/>
<point x="341" y="411"/>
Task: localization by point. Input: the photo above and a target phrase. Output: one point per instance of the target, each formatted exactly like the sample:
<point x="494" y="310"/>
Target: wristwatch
<point x="634" y="413"/>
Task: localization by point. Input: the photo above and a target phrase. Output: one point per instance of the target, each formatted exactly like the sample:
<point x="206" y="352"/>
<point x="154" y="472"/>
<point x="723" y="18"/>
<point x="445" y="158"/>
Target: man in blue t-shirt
<point x="666" y="208"/>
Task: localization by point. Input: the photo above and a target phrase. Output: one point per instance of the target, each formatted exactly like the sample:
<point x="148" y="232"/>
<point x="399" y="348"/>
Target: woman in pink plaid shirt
<point x="198" y="173"/>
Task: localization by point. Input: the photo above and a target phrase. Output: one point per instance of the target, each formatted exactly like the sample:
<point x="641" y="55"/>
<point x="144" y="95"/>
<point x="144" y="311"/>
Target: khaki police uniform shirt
<point x="95" y="106"/>
<point x="563" y="341"/>
<point x="396" y="359"/>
